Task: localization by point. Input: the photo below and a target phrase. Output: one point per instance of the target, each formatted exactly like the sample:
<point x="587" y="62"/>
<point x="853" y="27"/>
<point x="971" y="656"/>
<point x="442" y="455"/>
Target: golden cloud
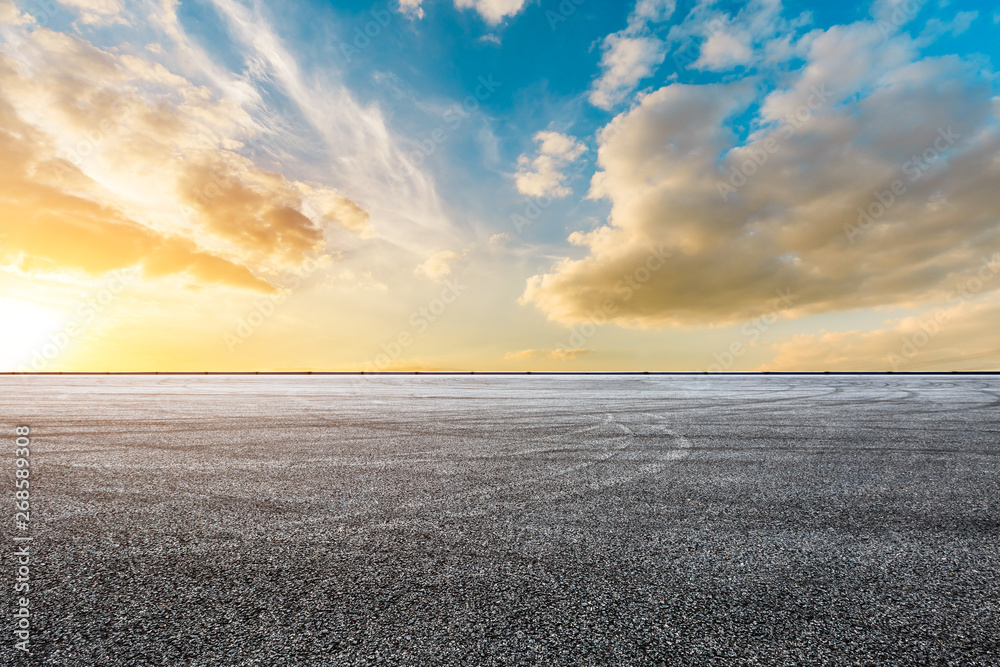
<point x="520" y="355"/>
<point x="870" y="182"/>
<point x="49" y="225"/>
<point x="961" y="336"/>
<point x="137" y="165"/>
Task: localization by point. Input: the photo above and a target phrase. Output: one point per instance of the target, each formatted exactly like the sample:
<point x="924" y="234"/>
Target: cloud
<point x="630" y="55"/>
<point x="559" y="146"/>
<point x="333" y="207"/>
<point x="250" y="208"/>
<point x="521" y="355"/>
<point x="626" y="62"/>
<point x="162" y="153"/>
<point x="652" y="11"/>
<point x="54" y="225"/>
<point x="411" y="9"/>
<point x="962" y="336"/>
<point x="96" y="11"/>
<point x="722" y="51"/>
<point x="493" y="11"/>
<point x="437" y="266"/>
<point x="778" y="209"/>
<point x="10" y="14"/>
<point x="542" y="176"/>
<point x="896" y="12"/>
<point x="937" y="28"/>
<point x="369" y="164"/>
<point x="564" y="354"/>
<point x="713" y="40"/>
<point x="499" y="239"/>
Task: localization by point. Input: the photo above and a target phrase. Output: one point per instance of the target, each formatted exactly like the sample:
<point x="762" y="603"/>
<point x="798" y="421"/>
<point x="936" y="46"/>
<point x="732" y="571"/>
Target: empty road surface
<point x="419" y="520"/>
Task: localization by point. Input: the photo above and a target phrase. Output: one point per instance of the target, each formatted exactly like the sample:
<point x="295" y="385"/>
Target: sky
<point x="499" y="185"/>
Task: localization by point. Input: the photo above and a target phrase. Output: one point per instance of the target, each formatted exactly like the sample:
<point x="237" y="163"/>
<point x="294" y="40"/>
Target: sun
<point x="27" y="332"/>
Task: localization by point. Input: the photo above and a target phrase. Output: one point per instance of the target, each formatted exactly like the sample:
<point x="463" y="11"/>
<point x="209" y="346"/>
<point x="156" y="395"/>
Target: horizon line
<point x="717" y="373"/>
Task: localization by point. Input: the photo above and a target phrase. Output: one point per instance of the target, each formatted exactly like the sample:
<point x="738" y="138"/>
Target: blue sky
<point x="357" y="158"/>
<point x="546" y="60"/>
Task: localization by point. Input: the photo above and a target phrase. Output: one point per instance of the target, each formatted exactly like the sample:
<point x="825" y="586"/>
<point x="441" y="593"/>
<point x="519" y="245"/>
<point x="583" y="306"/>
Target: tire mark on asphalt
<point x="614" y="445"/>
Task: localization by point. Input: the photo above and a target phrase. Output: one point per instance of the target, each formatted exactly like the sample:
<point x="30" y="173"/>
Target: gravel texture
<point x="537" y="520"/>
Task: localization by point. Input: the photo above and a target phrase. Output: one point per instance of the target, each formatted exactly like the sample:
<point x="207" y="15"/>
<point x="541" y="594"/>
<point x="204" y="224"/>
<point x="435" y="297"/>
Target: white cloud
<point x="96" y="11"/>
<point x="896" y="12"/>
<point x="744" y="218"/>
<point x="366" y="160"/>
<point x="959" y="24"/>
<point x="722" y="51"/>
<point x="493" y="11"/>
<point x="543" y="176"/>
<point x="630" y="55"/>
<point x="626" y="62"/>
<point x="411" y="8"/>
<point x="438" y="265"/>
<point x="711" y="39"/>
<point x="559" y="146"/>
<point x="652" y="11"/>
<point x="9" y="13"/>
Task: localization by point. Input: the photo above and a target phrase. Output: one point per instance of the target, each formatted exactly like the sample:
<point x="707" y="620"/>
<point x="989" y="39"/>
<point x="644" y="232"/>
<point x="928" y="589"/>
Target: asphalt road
<point x="508" y="520"/>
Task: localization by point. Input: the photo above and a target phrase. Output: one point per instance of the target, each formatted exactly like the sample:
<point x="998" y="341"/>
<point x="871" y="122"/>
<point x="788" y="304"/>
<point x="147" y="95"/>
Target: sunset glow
<point x="518" y="185"/>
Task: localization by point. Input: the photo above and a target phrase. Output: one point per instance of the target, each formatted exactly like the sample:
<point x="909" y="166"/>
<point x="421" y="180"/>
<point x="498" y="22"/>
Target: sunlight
<point x="26" y="330"/>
